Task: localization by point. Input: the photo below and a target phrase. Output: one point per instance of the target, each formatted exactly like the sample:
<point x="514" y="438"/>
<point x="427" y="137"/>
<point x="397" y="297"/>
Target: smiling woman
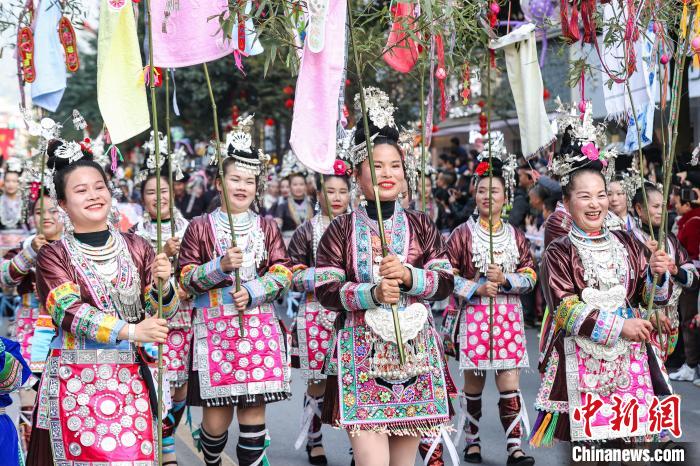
<point x="98" y="286"/>
<point x="353" y="279"/>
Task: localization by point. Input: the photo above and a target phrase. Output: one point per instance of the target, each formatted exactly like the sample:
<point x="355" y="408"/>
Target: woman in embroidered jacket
<point x="491" y="291"/>
<point x="296" y="208"/>
<point x="229" y="370"/>
<point x="598" y="283"/>
<point x="14" y="374"/>
<point x="313" y="328"/>
<point x="384" y="406"/>
<point x="176" y="351"/>
<point x="34" y="329"/>
<point x="98" y="286"/>
<point x="683" y="272"/>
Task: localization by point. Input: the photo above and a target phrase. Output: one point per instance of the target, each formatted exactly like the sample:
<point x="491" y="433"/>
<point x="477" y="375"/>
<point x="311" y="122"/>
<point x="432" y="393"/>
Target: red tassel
<point x="441" y="75"/>
<point x="589" y="29"/>
<point x="573" y="26"/>
<point x="241" y="26"/>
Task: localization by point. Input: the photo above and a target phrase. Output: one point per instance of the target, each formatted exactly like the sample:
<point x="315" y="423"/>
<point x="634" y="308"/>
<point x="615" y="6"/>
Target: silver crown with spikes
<point x="500" y="151"/>
<point x="292" y="166"/>
<point x="380" y="111"/>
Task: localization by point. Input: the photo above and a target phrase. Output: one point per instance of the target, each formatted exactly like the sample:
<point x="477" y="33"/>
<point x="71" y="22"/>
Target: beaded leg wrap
<point x="510" y="410"/>
<point x="252" y="442"/>
<point x="212" y="447"/>
<point x="310" y="423"/>
<point x="473" y="414"/>
<point x="172" y="420"/>
<point x="436" y="455"/>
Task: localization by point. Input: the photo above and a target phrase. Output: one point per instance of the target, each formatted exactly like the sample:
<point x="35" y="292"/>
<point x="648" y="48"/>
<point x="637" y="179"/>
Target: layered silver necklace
<point x="111" y="273"/>
<point x="505" y="248"/>
<point x="249" y="237"/>
<point x="319" y="223"/>
<point x="603" y="257"/>
<point x="147" y="229"/>
<point x="10" y="211"/>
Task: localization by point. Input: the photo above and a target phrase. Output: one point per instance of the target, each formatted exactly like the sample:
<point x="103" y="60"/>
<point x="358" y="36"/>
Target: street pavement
<point x="283" y="420"/>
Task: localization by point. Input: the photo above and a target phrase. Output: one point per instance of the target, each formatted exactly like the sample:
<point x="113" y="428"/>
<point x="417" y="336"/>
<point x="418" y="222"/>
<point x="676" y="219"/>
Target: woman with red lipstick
<point x="176" y="351"/>
<point x="492" y="271"/>
<point x="597" y="284"/>
<point x="34" y="329"/>
<point x="233" y="367"/>
<point x="313" y="328"/>
<point x="385" y="406"/>
<point x="99" y="286"/>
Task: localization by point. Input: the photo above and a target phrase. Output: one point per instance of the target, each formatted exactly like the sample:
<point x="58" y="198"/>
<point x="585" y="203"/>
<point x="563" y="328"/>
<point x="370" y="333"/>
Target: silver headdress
<point x="407" y="143"/>
<point x="239" y="147"/>
<point x="14" y="164"/>
<point x="585" y="137"/>
<point x="176" y="159"/>
<point x="292" y="166"/>
<point x="380" y="112"/>
<point x="509" y="164"/>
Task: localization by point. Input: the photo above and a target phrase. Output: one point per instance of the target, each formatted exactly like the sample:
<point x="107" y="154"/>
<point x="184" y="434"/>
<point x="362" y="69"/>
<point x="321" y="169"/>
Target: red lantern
<point x="347" y="82"/>
<point x="482" y="104"/>
<point x="289" y="103"/>
<point x="270" y="122"/>
<point x="288" y="90"/>
<point x="435" y="129"/>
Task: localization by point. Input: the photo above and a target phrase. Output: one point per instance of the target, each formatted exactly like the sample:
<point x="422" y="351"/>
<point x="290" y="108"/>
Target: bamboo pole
<point x="488" y="123"/>
<point x="329" y="210"/>
<point x="368" y="143"/>
<point x="159" y="232"/>
<point x="40" y="227"/>
<point x="224" y="190"/>
<point x="423" y="133"/>
<point x="171" y="191"/>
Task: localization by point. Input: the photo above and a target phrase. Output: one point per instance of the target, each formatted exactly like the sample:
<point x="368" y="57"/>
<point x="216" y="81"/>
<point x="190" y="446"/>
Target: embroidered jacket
<point x="199" y="265"/>
<point x="16" y="268"/>
<point x="343" y="271"/>
<point x="83" y="321"/>
<point x="302" y="256"/>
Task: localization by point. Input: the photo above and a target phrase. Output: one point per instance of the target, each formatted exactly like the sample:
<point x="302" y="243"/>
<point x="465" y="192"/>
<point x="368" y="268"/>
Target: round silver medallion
<point x="102" y="429"/>
<point x="257" y="359"/>
<point x="277" y="371"/>
<point x="104" y="372"/>
<point x="87" y="439"/>
<point x="210" y="326"/>
<point x="69" y="403"/>
<point x="123" y="389"/>
<point x="108" y="444"/>
<point x="176" y="339"/>
<point x="130" y="410"/>
<point x="254" y="321"/>
<point x="259" y="345"/>
<point x="128" y="439"/>
<point x="216" y="355"/>
<point x="313" y="344"/>
<point x="244" y="346"/>
<point x="124" y="375"/>
<point x="140" y="424"/>
<point x="126" y="421"/>
<point x="226" y="367"/>
<point x="90" y="422"/>
<point x="74" y="385"/>
<point x="240" y="375"/>
<point x="216" y="377"/>
<point x="115" y="428"/>
<point x="272" y="344"/>
<point x="258" y="373"/>
<point x="64" y="372"/>
<point x="220" y="326"/>
<point x="269" y="362"/>
<point x="108" y="407"/>
<point x="83" y="399"/>
<point x="254" y="333"/>
<point x="141" y="405"/>
<point x="89" y="389"/>
<point x="230" y="332"/>
<point x="75" y="449"/>
<point x="243" y="362"/>
<point x="100" y="384"/>
<point x="216" y="339"/>
<point x="87" y="375"/>
<point x="313" y="330"/>
<point x="137" y="386"/>
<point x="74" y="423"/>
<point x="230" y="356"/>
<point x="112" y="384"/>
<point x="267" y="330"/>
<point x="172" y="354"/>
<point x="146" y="447"/>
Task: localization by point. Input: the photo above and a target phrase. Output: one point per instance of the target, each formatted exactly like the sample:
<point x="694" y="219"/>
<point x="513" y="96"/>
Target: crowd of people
<point x="496" y="247"/>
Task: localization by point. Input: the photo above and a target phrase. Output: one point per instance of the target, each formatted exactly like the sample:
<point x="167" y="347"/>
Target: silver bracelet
<point x="132" y="333"/>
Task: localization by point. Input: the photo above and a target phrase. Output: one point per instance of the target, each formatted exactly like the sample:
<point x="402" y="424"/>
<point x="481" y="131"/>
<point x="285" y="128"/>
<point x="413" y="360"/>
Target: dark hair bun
<point x="386" y="134"/>
<point x="57" y="163"/>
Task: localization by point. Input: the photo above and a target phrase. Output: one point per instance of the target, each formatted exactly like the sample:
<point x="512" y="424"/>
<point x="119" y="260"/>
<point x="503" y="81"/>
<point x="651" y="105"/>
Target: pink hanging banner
<point x="315" y="120"/>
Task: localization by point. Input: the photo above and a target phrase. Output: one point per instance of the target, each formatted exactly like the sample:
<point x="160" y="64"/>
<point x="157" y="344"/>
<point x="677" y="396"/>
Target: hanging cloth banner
<point x="185" y="36"/>
<point x="525" y="80"/>
<point x="121" y="92"/>
<point x="642" y="81"/>
<point x="50" y="82"/>
<point x="314" y="124"/>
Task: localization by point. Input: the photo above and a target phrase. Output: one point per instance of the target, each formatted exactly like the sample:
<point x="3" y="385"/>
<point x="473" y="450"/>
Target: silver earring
<point x="317" y="207"/>
<point x="363" y="200"/>
<point x="65" y="220"/>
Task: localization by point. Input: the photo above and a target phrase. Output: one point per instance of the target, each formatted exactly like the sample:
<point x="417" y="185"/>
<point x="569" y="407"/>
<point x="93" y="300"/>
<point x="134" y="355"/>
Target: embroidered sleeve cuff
<point x="519" y="282"/>
<point x="607" y="328"/>
<point x="95" y="325"/>
<point x="425" y="282"/>
<point x="464" y="288"/>
<point x="662" y="290"/>
<point x="256" y="290"/>
<point x="25" y="260"/>
<point x="357" y="296"/>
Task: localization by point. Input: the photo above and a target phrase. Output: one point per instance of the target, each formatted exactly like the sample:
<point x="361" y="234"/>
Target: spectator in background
<point x="521" y="204"/>
<point x="284" y="189"/>
<point x="457" y="151"/>
<point x="188" y="203"/>
<point x="271" y="196"/>
<point x="448" y="163"/>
